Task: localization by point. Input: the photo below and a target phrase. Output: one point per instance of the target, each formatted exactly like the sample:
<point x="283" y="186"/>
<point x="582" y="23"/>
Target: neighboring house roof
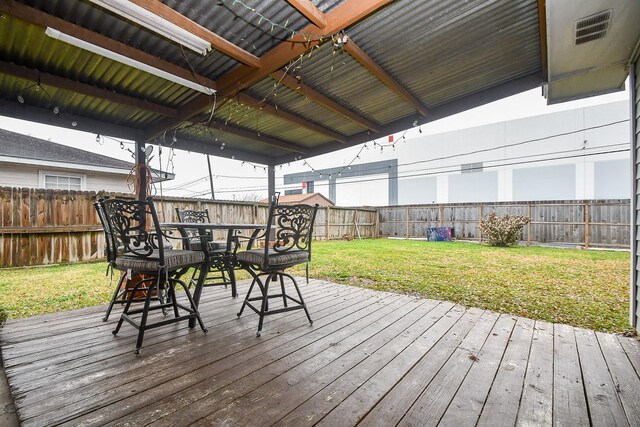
<point x="19" y="148"/>
<point x="291" y="199"/>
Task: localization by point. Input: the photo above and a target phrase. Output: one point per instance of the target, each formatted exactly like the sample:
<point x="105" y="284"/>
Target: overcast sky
<point x="231" y="176"/>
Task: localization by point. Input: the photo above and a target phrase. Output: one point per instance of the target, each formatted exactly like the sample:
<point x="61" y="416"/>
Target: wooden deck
<point x="370" y="358"/>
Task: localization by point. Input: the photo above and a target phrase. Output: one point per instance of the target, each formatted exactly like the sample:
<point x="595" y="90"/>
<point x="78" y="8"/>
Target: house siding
<point x="635" y="158"/>
<point x="28" y="176"/>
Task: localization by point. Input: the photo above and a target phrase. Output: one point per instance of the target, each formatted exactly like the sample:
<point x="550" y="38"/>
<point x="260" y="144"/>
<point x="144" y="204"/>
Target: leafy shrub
<point x="503" y="231"/>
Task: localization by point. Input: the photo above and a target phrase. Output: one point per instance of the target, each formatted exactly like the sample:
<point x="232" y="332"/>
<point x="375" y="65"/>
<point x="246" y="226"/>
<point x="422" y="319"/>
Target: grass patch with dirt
<point x="589" y="289"/>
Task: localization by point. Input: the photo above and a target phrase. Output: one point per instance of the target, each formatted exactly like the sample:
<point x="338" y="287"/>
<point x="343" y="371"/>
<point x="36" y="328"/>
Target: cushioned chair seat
<point x="256" y="257"/>
<point x="214" y="245"/>
<point x="173" y="259"/>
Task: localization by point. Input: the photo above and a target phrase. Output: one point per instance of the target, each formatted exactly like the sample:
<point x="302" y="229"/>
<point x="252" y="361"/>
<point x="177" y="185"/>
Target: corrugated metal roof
<point x="429" y="46"/>
<point x="440" y="51"/>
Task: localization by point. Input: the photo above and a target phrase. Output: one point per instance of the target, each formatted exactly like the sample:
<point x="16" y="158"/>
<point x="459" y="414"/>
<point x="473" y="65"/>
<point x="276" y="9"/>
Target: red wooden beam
<point x="217" y="42"/>
<point x="274" y="142"/>
<point x="348" y="13"/>
<point x="308" y="9"/>
<point x="372" y="66"/>
<point x="84" y="89"/>
<point x="326" y="102"/>
<point x="270" y="109"/>
<point x="37" y="17"/>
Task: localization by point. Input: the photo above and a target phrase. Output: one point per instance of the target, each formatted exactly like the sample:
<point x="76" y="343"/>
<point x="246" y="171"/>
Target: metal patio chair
<point x="141" y="253"/>
<point x="221" y="262"/>
<point x="287" y="243"/>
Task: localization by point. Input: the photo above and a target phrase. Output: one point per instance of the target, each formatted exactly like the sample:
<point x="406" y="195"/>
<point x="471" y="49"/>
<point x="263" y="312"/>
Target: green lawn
<point x="582" y="288"/>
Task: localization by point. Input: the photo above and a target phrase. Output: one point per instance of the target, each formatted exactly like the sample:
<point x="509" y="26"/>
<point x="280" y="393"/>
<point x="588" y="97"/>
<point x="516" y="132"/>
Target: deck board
<point x="370" y="358"/>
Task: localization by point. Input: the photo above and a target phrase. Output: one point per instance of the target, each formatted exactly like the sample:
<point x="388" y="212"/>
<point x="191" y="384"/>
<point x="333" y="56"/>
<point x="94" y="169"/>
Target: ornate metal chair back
<point x="111" y="245"/>
<point x="135" y="227"/>
<point x="289" y="228"/>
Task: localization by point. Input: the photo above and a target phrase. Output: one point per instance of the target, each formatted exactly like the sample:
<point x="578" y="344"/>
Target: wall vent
<point x="592" y="27"/>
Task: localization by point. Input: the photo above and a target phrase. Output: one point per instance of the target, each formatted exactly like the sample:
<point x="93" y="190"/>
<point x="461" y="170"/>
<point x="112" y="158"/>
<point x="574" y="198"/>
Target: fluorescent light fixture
<point x="53" y="33"/>
<point x="155" y="23"/>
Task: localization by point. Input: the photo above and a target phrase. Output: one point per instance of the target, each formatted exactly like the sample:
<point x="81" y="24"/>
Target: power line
<point x="485" y="150"/>
<point x="457" y="169"/>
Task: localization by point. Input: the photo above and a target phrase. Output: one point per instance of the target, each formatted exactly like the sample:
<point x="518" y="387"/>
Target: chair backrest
<point x="112" y="248"/>
<point x="190" y="215"/>
<point x="293" y="226"/>
<point x="135" y="227"/>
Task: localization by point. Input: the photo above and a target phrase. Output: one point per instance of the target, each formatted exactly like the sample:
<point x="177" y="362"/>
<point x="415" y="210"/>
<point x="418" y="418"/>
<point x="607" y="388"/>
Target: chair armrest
<point x="255" y="236"/>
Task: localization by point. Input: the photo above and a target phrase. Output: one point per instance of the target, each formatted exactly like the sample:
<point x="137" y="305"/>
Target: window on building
<point x="292" y="192"/>
<point x="62" y="182"/>
<point x="471" y="167"/>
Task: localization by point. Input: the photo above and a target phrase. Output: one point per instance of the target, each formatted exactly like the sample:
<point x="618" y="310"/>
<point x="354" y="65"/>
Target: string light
<point x="272" y="25"/>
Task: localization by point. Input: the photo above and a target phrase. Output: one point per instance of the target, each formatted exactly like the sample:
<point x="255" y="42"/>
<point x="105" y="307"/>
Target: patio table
<point x="231" y="228"/>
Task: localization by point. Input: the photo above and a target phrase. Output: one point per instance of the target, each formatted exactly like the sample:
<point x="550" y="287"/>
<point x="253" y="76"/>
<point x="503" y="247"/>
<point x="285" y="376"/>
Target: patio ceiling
<point x="285" y="87"/>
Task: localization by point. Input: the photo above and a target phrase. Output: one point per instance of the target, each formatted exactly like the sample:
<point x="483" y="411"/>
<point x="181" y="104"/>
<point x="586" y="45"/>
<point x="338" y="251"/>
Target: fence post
<point x="479" y="222"/>
<point x="407" y="224"/>
<point x="376" y="224"/>
<point x="529" y="225"/>
<point x="587" y="220"/>
<point x="441" y="222"/>
<point x="327" y="221"/>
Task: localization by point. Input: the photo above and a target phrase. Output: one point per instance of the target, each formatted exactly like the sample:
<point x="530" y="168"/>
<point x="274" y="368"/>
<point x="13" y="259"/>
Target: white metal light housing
<point x="55" y="34"/>
<point x="155" y="23"/>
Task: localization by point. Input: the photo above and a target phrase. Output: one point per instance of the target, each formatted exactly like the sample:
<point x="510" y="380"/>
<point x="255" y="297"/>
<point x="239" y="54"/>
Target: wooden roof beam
<point x="217" y="42"/>
<point x="293" y="84"/>
<point x="37" y="17"/>
<point x="347" y="13"/>
<point x="310" y="11"/>
<point x="274" y="142"/>
<point x="270" y="109"/>
<point x="84" y="89"/>
<point x="372" y="66"/>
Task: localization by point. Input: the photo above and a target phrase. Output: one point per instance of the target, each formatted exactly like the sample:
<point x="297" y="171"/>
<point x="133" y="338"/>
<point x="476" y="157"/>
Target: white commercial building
<point x="574" y="154"/>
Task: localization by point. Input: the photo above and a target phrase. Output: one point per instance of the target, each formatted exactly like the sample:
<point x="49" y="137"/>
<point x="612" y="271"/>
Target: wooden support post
<point x="328" y="224"/>
<point x="408" y="212"/>
<point x="587" y="221"/>
<point x="141" y="162"/>
<point x="271" y="182"/>
<point x="376" y="225"/>
<point x="441" y="222"/>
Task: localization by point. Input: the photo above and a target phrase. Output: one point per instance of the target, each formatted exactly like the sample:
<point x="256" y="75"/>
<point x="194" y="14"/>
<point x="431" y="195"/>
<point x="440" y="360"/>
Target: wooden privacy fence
<point x="585" y="223"/>
<point x="39" y="227"/>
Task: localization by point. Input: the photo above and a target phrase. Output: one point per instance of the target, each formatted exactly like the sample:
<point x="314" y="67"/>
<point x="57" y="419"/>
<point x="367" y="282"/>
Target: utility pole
<point x="213" y="195"/>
